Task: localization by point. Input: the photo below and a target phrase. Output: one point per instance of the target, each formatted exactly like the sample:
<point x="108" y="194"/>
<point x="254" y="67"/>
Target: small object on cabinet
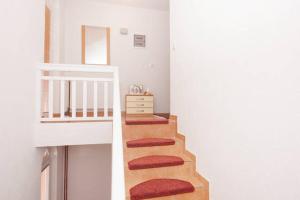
<point x="136" y="89"/>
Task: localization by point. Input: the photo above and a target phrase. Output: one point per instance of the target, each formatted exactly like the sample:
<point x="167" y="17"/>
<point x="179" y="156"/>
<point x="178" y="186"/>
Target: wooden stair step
<point x="150" y="142"/>
<point x="160" y="188"/>
<point x="133" y="153"/>
<point x="198" y="183"/>
<point x="145" y="120"/>
<point x="154" y="162"/>
<point x="145" y="179"/>
<point x="184" y="172"/>
<point x="132" y="132"/>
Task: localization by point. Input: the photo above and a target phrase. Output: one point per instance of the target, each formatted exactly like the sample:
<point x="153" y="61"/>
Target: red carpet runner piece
<point x="160" y="188"/>
<point x="145" y="120"/>
<point x="150" y="142"/>
<point x="155" y="162"/>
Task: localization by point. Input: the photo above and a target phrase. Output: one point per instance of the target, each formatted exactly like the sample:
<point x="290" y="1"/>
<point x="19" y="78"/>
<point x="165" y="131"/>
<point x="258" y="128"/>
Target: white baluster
<point x="74" y="96"/>
<point x="95" y="99"/>
<point x="39" y="109"/>
<point x="84" y="99"/>
<point x="105" y="99"/>
<point x="62" y="99"/>
<point x="50" y="99"/>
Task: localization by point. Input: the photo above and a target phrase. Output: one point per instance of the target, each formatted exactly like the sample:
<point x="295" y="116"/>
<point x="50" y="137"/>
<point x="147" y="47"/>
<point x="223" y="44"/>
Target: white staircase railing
<point x="52" y="92"/>
<point x="118" y="177"/>
<point x="61" y="82"/>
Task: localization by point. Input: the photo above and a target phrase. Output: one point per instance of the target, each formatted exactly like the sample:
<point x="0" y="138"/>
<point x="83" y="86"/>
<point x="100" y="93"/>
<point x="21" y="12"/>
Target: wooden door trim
<point x="108" y="45"/>
<point x="47" y="39"/>
<point x="83" y="44"/>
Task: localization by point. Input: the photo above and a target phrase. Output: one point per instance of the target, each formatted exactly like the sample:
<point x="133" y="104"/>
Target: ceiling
<point x="151" y="4"/>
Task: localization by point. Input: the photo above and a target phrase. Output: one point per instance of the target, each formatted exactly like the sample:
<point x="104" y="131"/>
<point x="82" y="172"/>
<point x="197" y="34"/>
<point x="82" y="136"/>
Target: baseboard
<point x="165" y="115"/>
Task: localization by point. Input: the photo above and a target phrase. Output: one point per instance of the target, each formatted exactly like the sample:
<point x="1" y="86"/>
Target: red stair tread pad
<point x="160" y="188"/>
<point x="155" y="162"/>
<point x="150" y="142"/>
<point x="146" y="120"/>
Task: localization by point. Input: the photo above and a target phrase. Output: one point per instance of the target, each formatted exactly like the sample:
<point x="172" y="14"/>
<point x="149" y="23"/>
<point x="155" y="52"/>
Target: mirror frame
<point x="83" y="53"/>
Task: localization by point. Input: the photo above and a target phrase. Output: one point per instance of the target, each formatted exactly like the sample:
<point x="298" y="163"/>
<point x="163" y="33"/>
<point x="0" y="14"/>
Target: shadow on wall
<point x="89" y="173"/>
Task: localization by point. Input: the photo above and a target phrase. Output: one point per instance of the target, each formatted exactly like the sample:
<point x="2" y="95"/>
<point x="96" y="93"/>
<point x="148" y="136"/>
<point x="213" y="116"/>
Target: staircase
<point x="157" y="165"/>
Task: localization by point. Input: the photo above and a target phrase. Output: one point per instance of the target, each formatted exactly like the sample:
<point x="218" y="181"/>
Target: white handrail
<point x="76" y="68"/>
<point x="59" y="78"/>
<point x="118" y="179"/>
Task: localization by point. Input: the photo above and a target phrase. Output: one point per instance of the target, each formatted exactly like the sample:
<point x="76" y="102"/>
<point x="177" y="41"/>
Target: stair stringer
<point x="205" y="190"/>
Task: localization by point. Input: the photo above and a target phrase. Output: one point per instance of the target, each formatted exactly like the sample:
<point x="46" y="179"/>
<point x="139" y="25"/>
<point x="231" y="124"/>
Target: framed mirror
<point x="95" y="45"/>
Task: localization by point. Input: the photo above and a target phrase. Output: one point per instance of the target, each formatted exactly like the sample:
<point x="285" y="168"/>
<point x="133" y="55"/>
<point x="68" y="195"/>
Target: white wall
<point x="235" y="85"/>
<point x="61" y="134"/>
<point x="22" y="29"/>
<point x="149" y="66"/>
<point x="89" y="176"/>
<point x="56" y="9"/>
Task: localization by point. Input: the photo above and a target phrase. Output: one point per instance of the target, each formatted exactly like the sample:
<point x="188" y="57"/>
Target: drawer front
<point x="139" y="98"/>
<point x="141" y="104"/>
<point x="139" y="110"/>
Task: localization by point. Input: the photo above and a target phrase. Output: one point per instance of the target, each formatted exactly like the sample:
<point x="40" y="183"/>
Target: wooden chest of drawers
<point x="139" y="104"/>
